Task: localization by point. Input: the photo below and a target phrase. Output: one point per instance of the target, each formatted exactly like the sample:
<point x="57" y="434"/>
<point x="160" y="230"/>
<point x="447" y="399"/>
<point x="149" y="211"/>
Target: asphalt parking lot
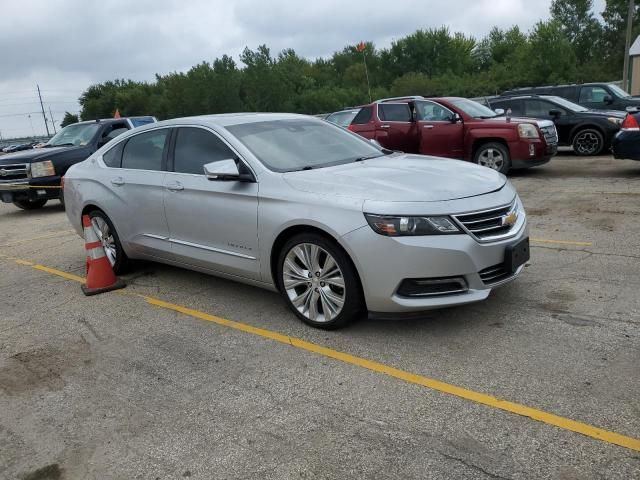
<point x="129" y="385"/>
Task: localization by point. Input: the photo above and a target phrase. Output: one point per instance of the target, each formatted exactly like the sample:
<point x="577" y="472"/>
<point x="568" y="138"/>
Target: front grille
<point x="494" y="274"/>
<point x="11" y="173"/>
<point x="487" y="224"/>
<point x="429" y="287"/>
<point x="550" y="134"/>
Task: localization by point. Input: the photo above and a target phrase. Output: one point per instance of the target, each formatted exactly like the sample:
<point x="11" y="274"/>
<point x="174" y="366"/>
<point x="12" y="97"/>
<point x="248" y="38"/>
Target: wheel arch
<point x="296" y="229"/>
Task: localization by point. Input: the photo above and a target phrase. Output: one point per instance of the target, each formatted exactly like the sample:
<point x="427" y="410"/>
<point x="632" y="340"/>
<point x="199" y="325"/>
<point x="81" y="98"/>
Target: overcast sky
<point x="67" y="45"/>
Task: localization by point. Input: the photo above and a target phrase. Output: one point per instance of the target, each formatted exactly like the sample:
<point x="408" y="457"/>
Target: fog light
<point x="532" y="150"/>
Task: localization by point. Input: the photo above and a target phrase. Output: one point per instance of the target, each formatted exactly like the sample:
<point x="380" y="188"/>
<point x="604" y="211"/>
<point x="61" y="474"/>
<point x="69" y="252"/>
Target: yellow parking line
<point x="433" y="384"/>
<point x="40" y="237"/>
<point x="562" y="242"/>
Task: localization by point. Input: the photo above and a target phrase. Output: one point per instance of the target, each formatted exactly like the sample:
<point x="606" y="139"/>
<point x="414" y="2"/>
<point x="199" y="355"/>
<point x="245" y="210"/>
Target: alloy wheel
<point x="314" y="282"/>
<point x="102" y="230"/>
<point x="587" y="143"/>
<point x="492" y="158"/>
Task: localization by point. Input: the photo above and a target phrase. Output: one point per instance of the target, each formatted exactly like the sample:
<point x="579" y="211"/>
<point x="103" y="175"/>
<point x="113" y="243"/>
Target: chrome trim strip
<point x="512" y="232"/>
<point x="211" y="249"/>
<point x="508" y="279"/>
<point x="157" y="237"/>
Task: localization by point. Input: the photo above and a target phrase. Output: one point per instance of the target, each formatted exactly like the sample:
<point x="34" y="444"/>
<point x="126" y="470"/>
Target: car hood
<point x="604" y="113"/>
<point x="28" y="156"/>
<point x="400" y="178"/>
<point x="517" y="120"/>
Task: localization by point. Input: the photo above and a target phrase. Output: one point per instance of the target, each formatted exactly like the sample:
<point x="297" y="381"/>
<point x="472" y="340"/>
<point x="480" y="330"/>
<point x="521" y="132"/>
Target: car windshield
<point x="76" y="134"/>
<point x="618" y="92"/>
<point x="342" y="118"/>
<point x="473" y="109"/>
<point x="567" y="104"/>
<point x="302" y="144"/>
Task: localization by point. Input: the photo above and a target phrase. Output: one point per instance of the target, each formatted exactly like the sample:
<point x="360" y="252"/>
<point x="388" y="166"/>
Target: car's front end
<point x="469" y="247"/>
<point x="27" y="178"/>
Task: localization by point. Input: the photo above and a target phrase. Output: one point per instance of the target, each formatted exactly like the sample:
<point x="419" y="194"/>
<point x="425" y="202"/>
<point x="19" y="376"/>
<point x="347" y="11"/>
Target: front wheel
<point x="108" y="236"/>
<point x="30" y="204"/>
<point x="588" y="142"/>
<point x="319" y="282"/>
<point x="493" y="155"/>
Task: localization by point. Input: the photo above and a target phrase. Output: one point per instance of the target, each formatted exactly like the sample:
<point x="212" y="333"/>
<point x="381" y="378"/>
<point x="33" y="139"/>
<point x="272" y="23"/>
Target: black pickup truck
<point x="30" y="178"/>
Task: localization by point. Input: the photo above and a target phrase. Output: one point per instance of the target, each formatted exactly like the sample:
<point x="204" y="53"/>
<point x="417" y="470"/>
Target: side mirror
<point x="499" y="111"/>
<point x="607" y="99"/>
<point x="555" y="113"/>
<point x="375" y="142"/>
<point x="226" y="170"/>
<point x="456" y="118"/>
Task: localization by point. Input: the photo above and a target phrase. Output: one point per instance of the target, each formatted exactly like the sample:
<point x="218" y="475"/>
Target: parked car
<point x="594" y="96"/>
<point x="19" y="147"/>
<point x="457" y="128"/>
<point x="626" y="143"/>
<point x="589" y="132"/>
<point x="29" y="179"/>
<point x="299" y="205"/>
<point x="343" y="118"/>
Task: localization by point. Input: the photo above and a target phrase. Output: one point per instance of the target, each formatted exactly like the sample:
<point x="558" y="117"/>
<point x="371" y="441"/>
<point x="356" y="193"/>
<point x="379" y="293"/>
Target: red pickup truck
<point x="457" y="128"/>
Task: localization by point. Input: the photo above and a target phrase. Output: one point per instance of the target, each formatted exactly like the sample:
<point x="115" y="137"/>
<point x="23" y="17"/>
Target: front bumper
<point x="425" y="257"/>
<point x="34" y="189"/>
<point x="531" y="153"/>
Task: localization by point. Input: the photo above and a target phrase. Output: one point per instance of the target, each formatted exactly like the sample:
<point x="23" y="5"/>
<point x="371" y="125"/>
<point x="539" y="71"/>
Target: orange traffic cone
<point x="100" y="276"/>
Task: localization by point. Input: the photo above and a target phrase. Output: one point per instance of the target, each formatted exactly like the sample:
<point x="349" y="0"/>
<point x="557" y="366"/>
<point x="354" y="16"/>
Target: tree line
<point x="574" y="45"/>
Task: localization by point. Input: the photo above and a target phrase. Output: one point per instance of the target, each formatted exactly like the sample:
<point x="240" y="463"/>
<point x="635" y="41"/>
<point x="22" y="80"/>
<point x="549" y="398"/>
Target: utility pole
<point x="44" y="116"/>
<point x="53" y="124"/>
<point x="625" y="73"/>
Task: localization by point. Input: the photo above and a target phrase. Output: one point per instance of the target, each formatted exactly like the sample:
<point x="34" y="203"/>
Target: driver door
<point x="212" y="223"/>
<point x="440" y="134"/>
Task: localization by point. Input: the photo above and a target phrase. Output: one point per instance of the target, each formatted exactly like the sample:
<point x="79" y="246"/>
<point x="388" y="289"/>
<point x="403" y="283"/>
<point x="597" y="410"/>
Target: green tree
<point x="68" y="119"/>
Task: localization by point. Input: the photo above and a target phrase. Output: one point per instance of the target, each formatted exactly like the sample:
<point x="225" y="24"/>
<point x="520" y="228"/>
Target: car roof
<point x="229" y="119"/>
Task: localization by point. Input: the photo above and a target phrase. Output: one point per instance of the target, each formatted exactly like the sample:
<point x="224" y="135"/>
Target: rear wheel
<point x="108" y="236"/>
<point x="588" y="142"/>
<point x="30" y="204"/>
<point x="493" y="155"/>
<point x="318" y="281"/>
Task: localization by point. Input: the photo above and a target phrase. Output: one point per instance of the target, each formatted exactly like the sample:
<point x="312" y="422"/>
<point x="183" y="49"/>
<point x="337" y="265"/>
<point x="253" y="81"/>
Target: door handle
<point x="385" y="126"/>
<point x="428" y="126"/>
<point x="118" y="181"/>
<point x="175" y="187"/>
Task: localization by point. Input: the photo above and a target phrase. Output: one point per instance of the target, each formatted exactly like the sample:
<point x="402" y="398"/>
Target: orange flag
<point x="117" y="114"/>
<point x="360" y="47"/>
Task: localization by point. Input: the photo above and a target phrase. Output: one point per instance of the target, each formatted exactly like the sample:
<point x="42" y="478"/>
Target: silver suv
<point x="292" y="203"/>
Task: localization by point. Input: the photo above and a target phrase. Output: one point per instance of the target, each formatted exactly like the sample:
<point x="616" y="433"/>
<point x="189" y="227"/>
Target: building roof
<point x="634" y="51"/>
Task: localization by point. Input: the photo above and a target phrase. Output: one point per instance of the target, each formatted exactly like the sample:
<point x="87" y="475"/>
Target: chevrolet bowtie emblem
<point x="3" y="172"/>
<point x="509" y="219"/>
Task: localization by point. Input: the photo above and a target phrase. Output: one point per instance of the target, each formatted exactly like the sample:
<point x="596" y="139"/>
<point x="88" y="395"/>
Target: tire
<point x="336" y="299"/>
<point x="493" y="155"/>
<point x="30" y="204"/>
<point x="587" y="142"/>
<point x="61" y="198"/>
<point x="107" y="234"/>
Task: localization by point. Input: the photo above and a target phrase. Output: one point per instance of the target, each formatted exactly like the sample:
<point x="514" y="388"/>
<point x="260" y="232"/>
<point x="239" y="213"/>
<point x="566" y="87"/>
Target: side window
<point x="537" y="108"/>
<point x="592" y="94"/>
<point x="113" y="157"/>
<point x="144" y="151"/>
<point x="394" y="112"/>
<point x="514" y="105"/>
<point x="196" y="147"/>
<point x="432" y="112"/>
<point x="363" y="116"/>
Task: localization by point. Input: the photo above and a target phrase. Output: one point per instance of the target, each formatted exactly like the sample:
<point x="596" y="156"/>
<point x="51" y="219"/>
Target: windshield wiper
<point x="61" y="145"/>
<point x="369" y="157"/>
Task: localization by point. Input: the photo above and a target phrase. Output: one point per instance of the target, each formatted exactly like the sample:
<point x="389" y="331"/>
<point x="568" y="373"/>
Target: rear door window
<point x="537" y="108"/>
<point x="394" y="112"/>
<point x="195" y="147"/>
<point x="514" y="105"/>
<point x="145" y="151"/>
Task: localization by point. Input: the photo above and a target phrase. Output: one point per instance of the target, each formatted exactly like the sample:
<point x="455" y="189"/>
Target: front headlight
<point x="394" y="226"/>
<point x="42" y="169"/>
<point x="526" y="130"/>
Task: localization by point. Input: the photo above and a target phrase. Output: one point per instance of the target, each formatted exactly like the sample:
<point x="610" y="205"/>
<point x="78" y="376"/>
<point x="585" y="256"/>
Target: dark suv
<point x="589" y="132"/>
<point x="30" y="178"/>
<point x="595" y="96"/>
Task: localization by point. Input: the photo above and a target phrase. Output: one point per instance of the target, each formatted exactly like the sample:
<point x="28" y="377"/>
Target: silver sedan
<point x="294" y="204"/>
